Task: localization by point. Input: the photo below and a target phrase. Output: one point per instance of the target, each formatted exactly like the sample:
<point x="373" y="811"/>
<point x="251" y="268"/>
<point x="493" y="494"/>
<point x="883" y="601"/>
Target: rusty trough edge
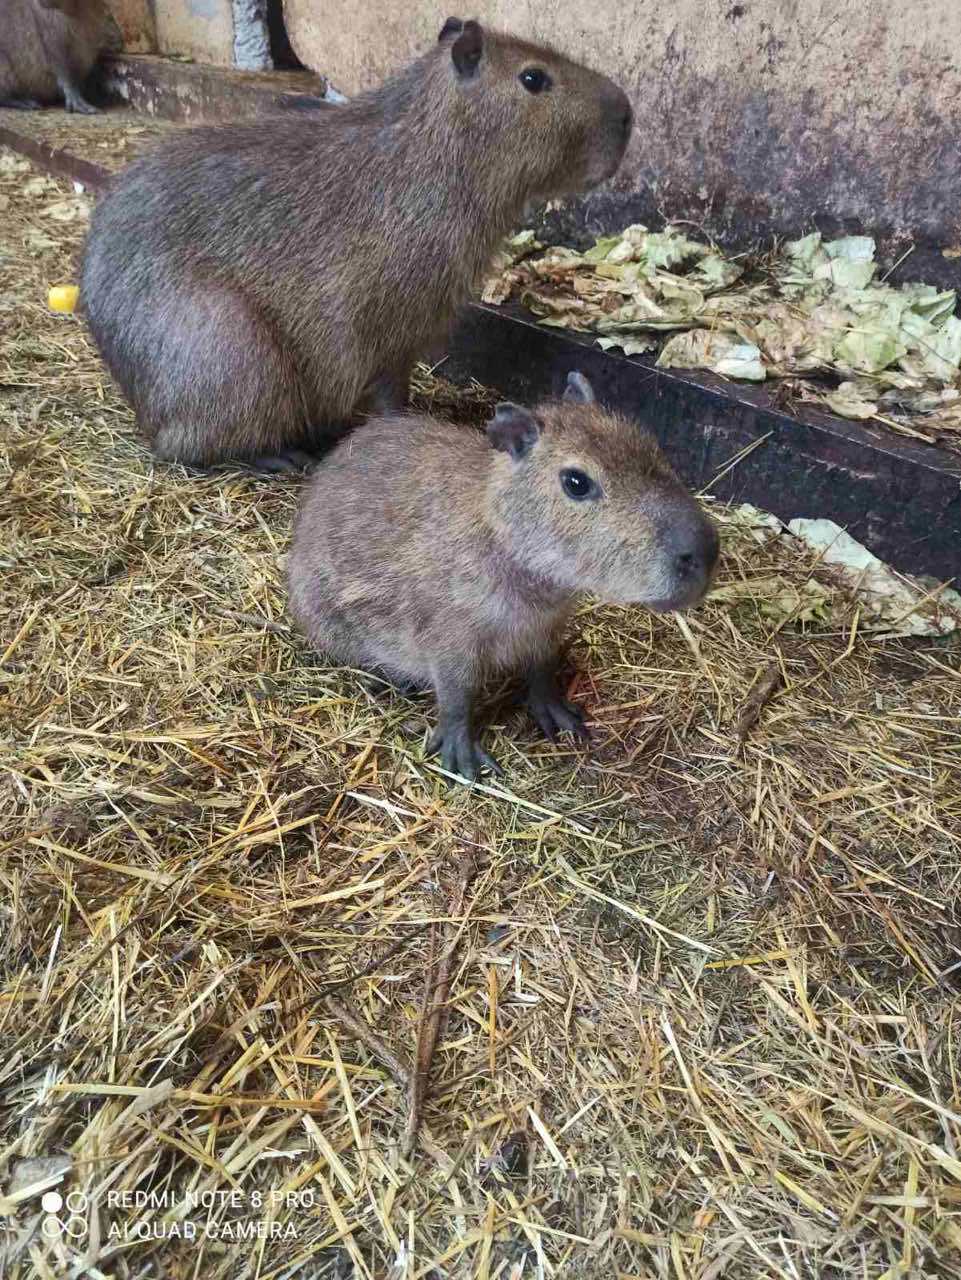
<point x="62" y="164"/>
<point x="901" y="499"/>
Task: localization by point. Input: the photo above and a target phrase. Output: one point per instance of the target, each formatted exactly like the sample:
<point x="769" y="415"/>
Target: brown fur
<point x="255" y="288"/>
<point x="422" y="551"/>
<point x="48" y="49"/>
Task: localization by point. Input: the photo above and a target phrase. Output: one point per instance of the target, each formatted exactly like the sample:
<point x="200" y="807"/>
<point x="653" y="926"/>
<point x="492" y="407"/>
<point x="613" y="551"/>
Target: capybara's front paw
<point x="284" y="462"/>
<point x="554" y="714"/>
<point x="77" y="103"/>
<point x="460" y="753"/>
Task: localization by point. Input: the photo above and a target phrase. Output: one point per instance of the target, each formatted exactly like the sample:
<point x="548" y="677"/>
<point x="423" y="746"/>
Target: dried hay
<point x="703" y="979"/>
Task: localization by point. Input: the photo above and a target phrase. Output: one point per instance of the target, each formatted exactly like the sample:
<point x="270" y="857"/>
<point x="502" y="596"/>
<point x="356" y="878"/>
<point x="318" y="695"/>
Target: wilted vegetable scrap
<point x="891" y="603"/>
<point x="867" y="349"/>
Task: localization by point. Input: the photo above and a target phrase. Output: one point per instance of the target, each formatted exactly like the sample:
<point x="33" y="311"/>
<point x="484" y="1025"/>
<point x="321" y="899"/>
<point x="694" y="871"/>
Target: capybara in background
<point x="439" y="556"/>
<point x="256" y="288"/>
<point x="48" y="49"/>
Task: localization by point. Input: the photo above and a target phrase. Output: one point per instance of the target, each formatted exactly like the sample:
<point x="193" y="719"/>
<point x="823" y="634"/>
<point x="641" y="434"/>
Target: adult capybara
<point x="439" y="557"/>
<point x="256" y="288"/>
<point x="48" y="49"/>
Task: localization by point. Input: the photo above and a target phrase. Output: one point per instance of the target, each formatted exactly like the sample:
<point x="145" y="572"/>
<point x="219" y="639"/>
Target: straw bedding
<point x="684" y="1004"/>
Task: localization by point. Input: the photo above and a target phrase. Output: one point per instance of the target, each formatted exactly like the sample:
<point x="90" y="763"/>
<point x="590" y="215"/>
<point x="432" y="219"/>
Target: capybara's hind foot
<point x="21" y="104"/>
<point x="285" y="462"/>
<point x="460" y="753"/>
<point x="384" y="686"/>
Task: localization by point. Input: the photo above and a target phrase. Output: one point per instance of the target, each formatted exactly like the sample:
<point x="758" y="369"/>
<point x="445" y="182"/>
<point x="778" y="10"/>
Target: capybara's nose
<point x="627" y="121"/>
<point x="699" y="551"/>
<point x="619" y="112"/>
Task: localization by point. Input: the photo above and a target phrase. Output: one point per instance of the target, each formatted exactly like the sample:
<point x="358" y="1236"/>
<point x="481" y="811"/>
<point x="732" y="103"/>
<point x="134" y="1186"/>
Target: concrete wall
<point x="135" y="20"/>
<point x="752" y="115"/>
<point x="198" y="29"/>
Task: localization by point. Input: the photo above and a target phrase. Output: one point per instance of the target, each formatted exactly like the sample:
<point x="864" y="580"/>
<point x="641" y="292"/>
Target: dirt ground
<point x="701" y="1012"/>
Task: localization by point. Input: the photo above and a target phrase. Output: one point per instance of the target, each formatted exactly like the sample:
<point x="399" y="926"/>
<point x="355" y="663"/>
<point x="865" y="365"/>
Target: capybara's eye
<point x="535" y="80"/>
<point x="576" y="484"/>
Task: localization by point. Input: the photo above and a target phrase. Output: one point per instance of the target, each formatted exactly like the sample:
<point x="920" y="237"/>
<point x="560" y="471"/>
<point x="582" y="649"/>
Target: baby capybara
<point x="48" y="49"/>
<point x="439" y="556"/>
<point x="256" y="288"/>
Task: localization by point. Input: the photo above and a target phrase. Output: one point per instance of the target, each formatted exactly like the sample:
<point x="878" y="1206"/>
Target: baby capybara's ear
<point x="578" y="389"/>
<point x="513" y="429"/>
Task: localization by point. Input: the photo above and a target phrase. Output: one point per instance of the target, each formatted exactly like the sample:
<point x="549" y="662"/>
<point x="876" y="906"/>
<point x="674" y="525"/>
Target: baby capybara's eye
<point x="576" y="484"/>
<point x="535" y="80"/>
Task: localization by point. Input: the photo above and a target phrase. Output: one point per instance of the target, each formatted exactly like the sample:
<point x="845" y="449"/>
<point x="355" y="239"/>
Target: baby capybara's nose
<point x="698" y="550"/>
<point x="692" y="544"/>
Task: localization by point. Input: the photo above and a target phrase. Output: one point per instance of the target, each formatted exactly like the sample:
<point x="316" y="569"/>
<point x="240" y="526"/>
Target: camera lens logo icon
<point x="74" y="1225"/>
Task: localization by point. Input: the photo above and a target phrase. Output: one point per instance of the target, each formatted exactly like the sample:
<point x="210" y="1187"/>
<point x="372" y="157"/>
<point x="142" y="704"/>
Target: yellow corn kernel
<point x="63" y="297"/>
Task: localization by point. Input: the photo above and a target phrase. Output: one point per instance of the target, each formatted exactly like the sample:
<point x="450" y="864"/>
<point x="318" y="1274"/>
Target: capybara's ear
<point x="578" y="389"/>
<point x="467" y="49"/>
<point x="452" y="27"/>
<point x="513" y="429"/>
